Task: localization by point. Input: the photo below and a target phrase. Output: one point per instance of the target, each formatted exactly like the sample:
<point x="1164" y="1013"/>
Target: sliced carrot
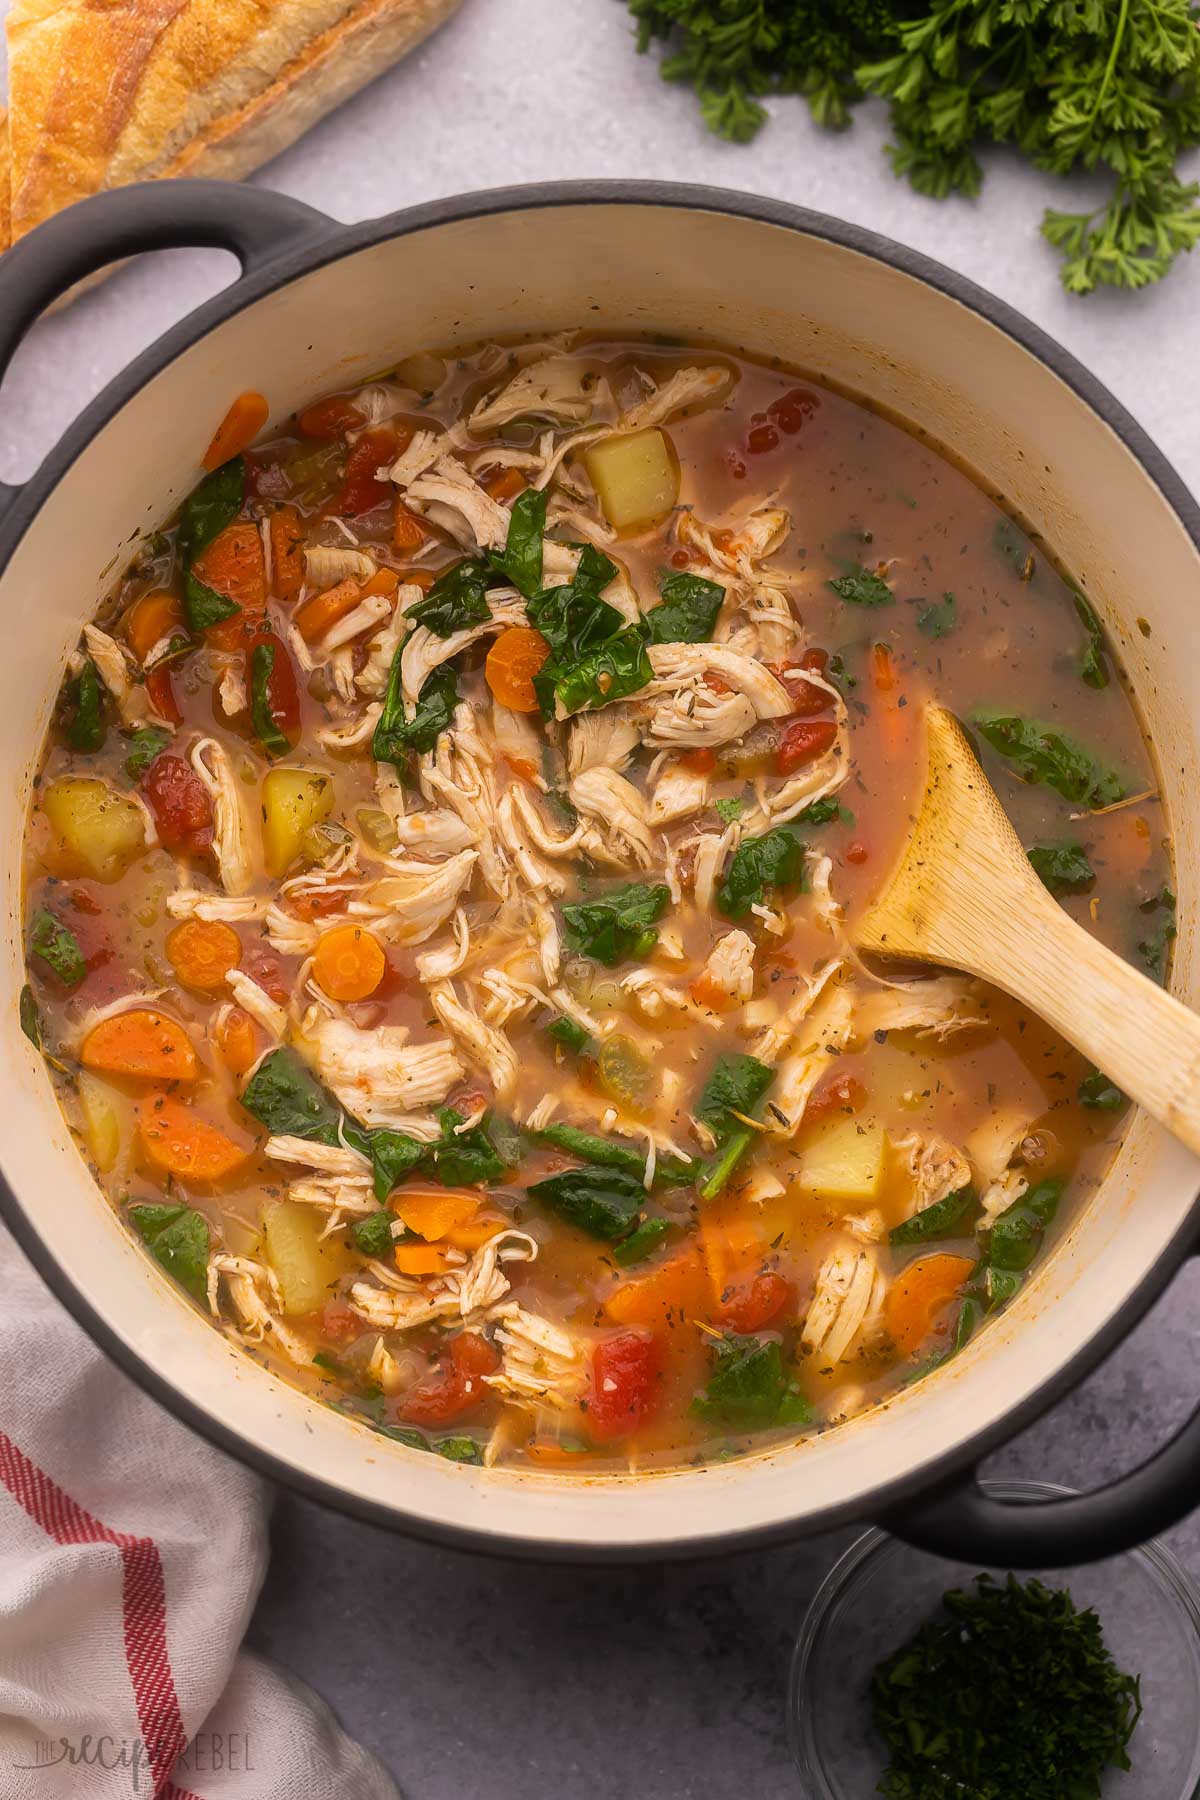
<point x="349" y="963"/>
<point x="475" y="1233"/>
<point x="549" y="1455"/>
<point x="154" y="617"/>
<point x="434" y="1212"/>
<point x="894" y="717"/>
<point x="238" y="429"/>
<point x="920" y="1295"/>
<point x="669" y="1294"/>
<point x="883" y="670"/>
<point x="234" y="565"/>
<point x="179" y="1142"/>
<point x="141" y="1042"/>
<point x="420" y="1259"/>
<point x="236" y="1041"/>
<point x="202" y="952"/>
<point x="504" y="484"/>
<point x="160" y="691"/>
<point x="512" y="662"/>
<point x="408" y="533"/>
<point x="383" y="581"/>
<point x="322" y="611"/>
<point x="287" y="556"/>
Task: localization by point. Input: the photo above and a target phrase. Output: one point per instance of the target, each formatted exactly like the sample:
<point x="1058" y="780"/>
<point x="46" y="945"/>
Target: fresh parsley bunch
<point x="1094" y="85"/>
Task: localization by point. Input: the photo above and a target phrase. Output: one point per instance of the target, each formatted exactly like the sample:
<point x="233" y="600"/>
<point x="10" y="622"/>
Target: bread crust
<point x="105" y="92"/>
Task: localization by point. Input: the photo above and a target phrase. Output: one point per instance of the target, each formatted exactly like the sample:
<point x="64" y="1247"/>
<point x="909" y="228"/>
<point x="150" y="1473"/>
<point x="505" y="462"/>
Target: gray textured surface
<point x="472" y="1677"/>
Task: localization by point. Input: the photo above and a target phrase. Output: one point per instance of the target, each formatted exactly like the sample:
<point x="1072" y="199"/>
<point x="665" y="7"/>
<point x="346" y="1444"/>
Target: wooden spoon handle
<point x="1138" y="1035"/>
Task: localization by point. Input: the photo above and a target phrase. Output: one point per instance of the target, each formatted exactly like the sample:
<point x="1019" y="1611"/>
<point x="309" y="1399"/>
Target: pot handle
<point x="257" y="224"/>
<point x="965" y="1522"/>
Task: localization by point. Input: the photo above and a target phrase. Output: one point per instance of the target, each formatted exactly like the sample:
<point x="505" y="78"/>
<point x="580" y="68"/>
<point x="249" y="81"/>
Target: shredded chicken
<point x="231" y="828"/>
<point x="846" y="1304"/>
<point x="378" y="1075"/>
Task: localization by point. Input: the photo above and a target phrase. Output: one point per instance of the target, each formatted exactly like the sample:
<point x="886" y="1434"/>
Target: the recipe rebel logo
<point x="208" y="1753"/>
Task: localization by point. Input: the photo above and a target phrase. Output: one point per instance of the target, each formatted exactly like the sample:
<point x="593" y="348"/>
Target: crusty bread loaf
<point x="104" y="92"/>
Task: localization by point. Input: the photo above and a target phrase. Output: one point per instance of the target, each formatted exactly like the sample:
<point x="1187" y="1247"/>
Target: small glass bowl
<point x="881" y="1590"/>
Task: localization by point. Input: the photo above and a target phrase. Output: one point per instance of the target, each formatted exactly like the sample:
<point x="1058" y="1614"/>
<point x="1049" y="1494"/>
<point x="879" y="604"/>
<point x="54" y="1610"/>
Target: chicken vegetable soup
<point x="438" y="887"/>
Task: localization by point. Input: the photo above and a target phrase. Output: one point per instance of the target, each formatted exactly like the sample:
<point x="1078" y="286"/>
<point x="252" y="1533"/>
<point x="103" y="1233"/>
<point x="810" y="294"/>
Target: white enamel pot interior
<point x="321" y="306"/>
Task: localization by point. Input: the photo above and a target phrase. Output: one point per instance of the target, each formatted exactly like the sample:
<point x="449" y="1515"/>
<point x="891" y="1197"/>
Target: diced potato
<point x="636" y="478"/>
<point x="241" y="1239"/>
<point x="423" y="372"/>
<point x="99" y="831"/>
<point x="101" y="1124"/>
<point x="843" y="1160"/>
<point x="294" y="800"/>
<point x="305" y="1268"/>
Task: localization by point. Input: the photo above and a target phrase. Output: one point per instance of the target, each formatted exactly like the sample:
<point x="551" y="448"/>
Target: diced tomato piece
<point x="86" y="903"/>
<point x="625" y="1371"/>
<point x="316" y="903"/>
<point x="680" y="559"/>
<point x="160" y="691"/>
<point x="793" y="409"/>
<point x="361" y="488"/>
<point x="802" y="742"/>
<point x="700" y="761"/>
<point x="329" y="418"/>
<point x="734" y="466"/>
<point x="815" y="661"/>
<point x="806" y="697"/>
<point x="752" y="1304"/>
<point x="340" y="1321"/>
<point x="857" y="853"/>
<point x="450" y="1392"/>
<point x="837" y="1093"/>
<point x="283" y="691"/>
<point x="263" y="965"/>
<point x="179" y="801"/>
<point x="715" y="683"/>
<point x="762" y="435"/>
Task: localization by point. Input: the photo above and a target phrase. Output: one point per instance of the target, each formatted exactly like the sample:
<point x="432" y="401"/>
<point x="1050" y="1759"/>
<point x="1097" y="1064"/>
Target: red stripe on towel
<point x="144" y="1607"/>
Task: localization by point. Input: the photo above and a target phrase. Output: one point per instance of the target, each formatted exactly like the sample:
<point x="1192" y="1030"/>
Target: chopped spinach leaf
<point x="56" y="945"/>
<point x="521" y="558"/>
<point x="643" y="1241"/>
<point x="1041" y="754"/>
<point x="861" y="587"/>
<point x="824" y="812"/>
<point x="1099" y="1093"/>
<point x="286" y="1098"/>
<point x="373" y="1235"/>
<point x="605" y="1153"/>
<point x="604" y="1202"/>
<point x="393" y="1156"/>
<point x="1062" y="867"/>
<point x="749" y="1388"/>
<point x="208" y="509"/>
<point x="211" y="506"/>
<point x="178" y="1238"/>
<point x="618" y="924"/>
<point x="86" y="729"/>
<point x="1017" y="1234"/>
<point x="569" y="1034"/>
<point x="262" y="667"/>
<point x="459" y="1450"/>
<point x="147" y="742"/>
<point x="1014" y="547"/>
<point x="729" y="809"/>
<point x="30" y="1018"/>
<point x="203" y="605"/>
<point x="1154" y="950"/>
<point x="688" y="614"/>
<point x="395" y="733"/>
<point x="771" y="864"/>
<point x="457" y="600"/>
<point x="463" y="1158"/>
<point x="939" y="619"/>
<point x="324" y="1359"/>
<point x="943" y="1219"/>
<point x="1093" y="666"/>
<point x="573" y="618"/>
<point x="612" y="671"/>
<point x="736" y="1085"/>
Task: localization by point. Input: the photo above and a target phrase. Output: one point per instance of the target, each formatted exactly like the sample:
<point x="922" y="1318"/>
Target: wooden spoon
<point x="964" y="894"/>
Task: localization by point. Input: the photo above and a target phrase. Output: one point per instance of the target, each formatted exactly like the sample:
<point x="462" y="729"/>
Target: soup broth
<point x="440" y="884"/>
